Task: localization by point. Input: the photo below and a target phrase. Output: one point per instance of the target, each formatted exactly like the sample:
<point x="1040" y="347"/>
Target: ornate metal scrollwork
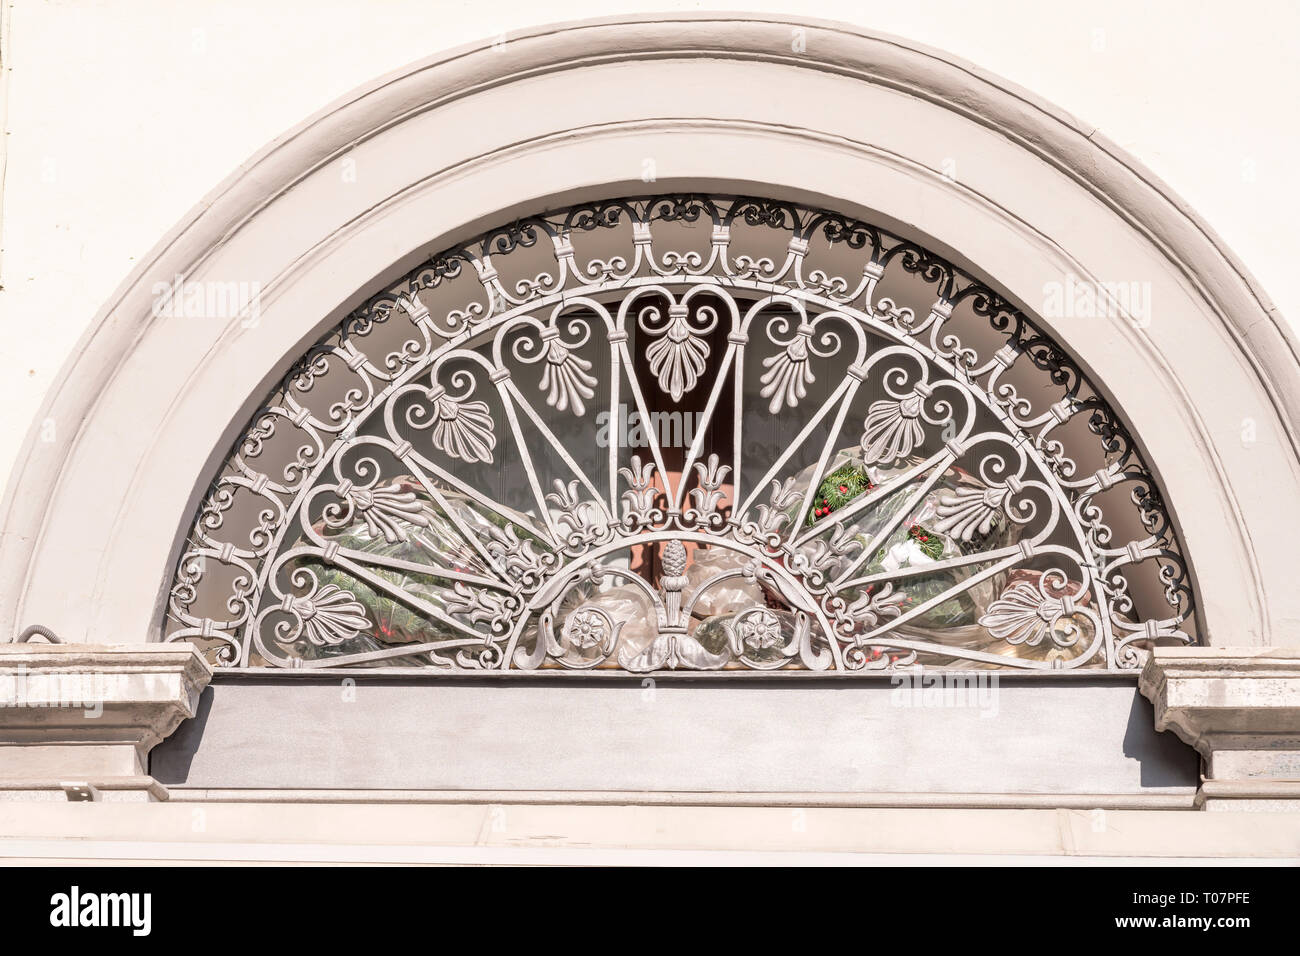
<point x="684" y="432"/>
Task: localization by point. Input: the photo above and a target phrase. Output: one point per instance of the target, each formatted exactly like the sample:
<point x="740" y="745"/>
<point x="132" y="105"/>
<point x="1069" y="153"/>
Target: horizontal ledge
<point x="429" y="675"/>
<point x="1252" y="788"/>
<point x="1224" y="663"/>
<point x="113" y="784"/>
<point x="542" y="853"/>
<point x="147" y="656"/>
<point x="1173" y="799"/>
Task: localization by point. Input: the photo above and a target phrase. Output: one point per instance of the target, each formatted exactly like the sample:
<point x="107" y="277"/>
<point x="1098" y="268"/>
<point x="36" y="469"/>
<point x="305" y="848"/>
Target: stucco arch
<point x="445" y="147"/>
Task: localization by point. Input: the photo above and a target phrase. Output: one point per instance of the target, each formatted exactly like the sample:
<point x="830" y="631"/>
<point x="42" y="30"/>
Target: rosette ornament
<point x="755" y="630"/>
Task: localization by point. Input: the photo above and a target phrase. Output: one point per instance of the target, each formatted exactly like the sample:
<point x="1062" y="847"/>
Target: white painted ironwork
<point x="844" y="455"/>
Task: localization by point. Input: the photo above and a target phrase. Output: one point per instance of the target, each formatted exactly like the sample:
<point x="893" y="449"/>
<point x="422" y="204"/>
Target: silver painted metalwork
<point x="354" y="525"/>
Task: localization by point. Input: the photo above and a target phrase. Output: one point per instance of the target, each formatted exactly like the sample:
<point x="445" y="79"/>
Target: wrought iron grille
<point x="684" y="432"/>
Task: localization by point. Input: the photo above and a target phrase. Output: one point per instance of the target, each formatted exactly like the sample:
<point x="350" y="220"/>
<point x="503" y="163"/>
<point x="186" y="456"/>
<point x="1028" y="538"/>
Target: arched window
<point x="684" y="432"/>
<point x="588" y="391"/>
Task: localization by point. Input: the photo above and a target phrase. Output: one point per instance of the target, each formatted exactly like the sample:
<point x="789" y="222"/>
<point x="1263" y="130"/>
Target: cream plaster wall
<point x="177" y="833"/>
<point x="120" y="116"/>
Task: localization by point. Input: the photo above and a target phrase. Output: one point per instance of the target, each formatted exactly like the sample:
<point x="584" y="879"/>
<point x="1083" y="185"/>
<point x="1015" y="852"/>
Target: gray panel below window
<point x="1027" y="735"/>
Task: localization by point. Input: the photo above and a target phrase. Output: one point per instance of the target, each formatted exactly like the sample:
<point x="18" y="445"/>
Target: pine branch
<point x="838" y="489"/>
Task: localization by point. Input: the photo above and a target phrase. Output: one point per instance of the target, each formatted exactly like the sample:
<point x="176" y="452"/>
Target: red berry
<point x="875" y="653"/>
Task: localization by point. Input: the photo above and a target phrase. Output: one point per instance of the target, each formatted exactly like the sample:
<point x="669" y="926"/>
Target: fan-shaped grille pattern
<point x="684" y="432"/>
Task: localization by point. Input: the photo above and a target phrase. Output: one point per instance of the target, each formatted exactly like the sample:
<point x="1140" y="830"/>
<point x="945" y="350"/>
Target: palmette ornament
<point x="391" y="510"/>
<point x="1022" y="615"/>
<point x="462" y="430"/>
<point x="1038" y="617"/>
<point x="787" y="375"/>
<point x="327" y="615"/>
<point x="893" y="429"/>
<point x="678" y="358"/>
<point x="566" y="378"/>
<point x="972" y="512"/>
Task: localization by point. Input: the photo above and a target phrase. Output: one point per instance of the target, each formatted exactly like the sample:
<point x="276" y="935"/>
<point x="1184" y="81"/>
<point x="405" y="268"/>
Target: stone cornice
<point x="1240" y="709"/>
<point x="132" y="694"/>
<point x="1207" y="694"/>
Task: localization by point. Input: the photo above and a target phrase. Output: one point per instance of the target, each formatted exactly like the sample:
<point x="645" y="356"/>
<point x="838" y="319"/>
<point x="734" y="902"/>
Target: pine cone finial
<point x="672" y="580"/>
<point x="673" y="557"/>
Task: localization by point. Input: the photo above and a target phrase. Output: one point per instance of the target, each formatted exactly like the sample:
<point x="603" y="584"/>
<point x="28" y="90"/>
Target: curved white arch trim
<point x="854" y="122"/>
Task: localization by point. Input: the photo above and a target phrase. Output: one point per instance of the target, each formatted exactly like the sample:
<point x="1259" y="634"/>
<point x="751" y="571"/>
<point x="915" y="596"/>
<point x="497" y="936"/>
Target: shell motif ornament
<point x="387" y="511"/>
<point x="1022" y="615"/>
<point x="788" y="373"/>
<point x="970" y="513"/>
<point x="462" y="430"/>
<point x="893" y="428"/>
<point x="326" y="616"/>
<point x="678" y="358"/>
<point x="566" y="377"/>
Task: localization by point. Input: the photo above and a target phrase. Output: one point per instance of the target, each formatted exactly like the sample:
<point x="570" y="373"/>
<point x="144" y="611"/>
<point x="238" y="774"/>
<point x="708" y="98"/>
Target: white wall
<point x="122" y="115"/>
